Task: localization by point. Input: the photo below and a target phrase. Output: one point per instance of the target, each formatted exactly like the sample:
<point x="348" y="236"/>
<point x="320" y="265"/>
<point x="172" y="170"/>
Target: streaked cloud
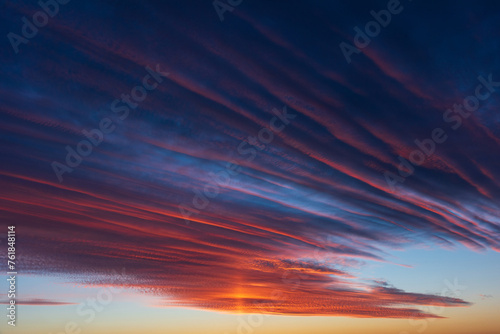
<point x="289" y="231"/>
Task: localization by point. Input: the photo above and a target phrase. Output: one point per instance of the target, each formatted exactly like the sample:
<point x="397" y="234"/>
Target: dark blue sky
<point x="250" y="142"/>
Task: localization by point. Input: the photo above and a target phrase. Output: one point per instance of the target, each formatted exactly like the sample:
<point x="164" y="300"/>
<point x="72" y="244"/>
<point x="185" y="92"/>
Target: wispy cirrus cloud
<point x="289" y="231"/>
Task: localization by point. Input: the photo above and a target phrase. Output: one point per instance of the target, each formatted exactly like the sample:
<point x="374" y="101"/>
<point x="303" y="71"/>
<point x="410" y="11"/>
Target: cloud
<point x="483" y="297"/>
<point x="305" y="210"/>
<point x="38" y="302"/>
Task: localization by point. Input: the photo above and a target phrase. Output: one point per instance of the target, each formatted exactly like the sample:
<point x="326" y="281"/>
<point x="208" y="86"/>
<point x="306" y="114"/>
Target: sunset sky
<point x="225" y="167"/>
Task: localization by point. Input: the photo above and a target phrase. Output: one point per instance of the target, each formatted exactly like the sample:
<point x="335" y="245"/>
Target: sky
<point x="251" y="166"/>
